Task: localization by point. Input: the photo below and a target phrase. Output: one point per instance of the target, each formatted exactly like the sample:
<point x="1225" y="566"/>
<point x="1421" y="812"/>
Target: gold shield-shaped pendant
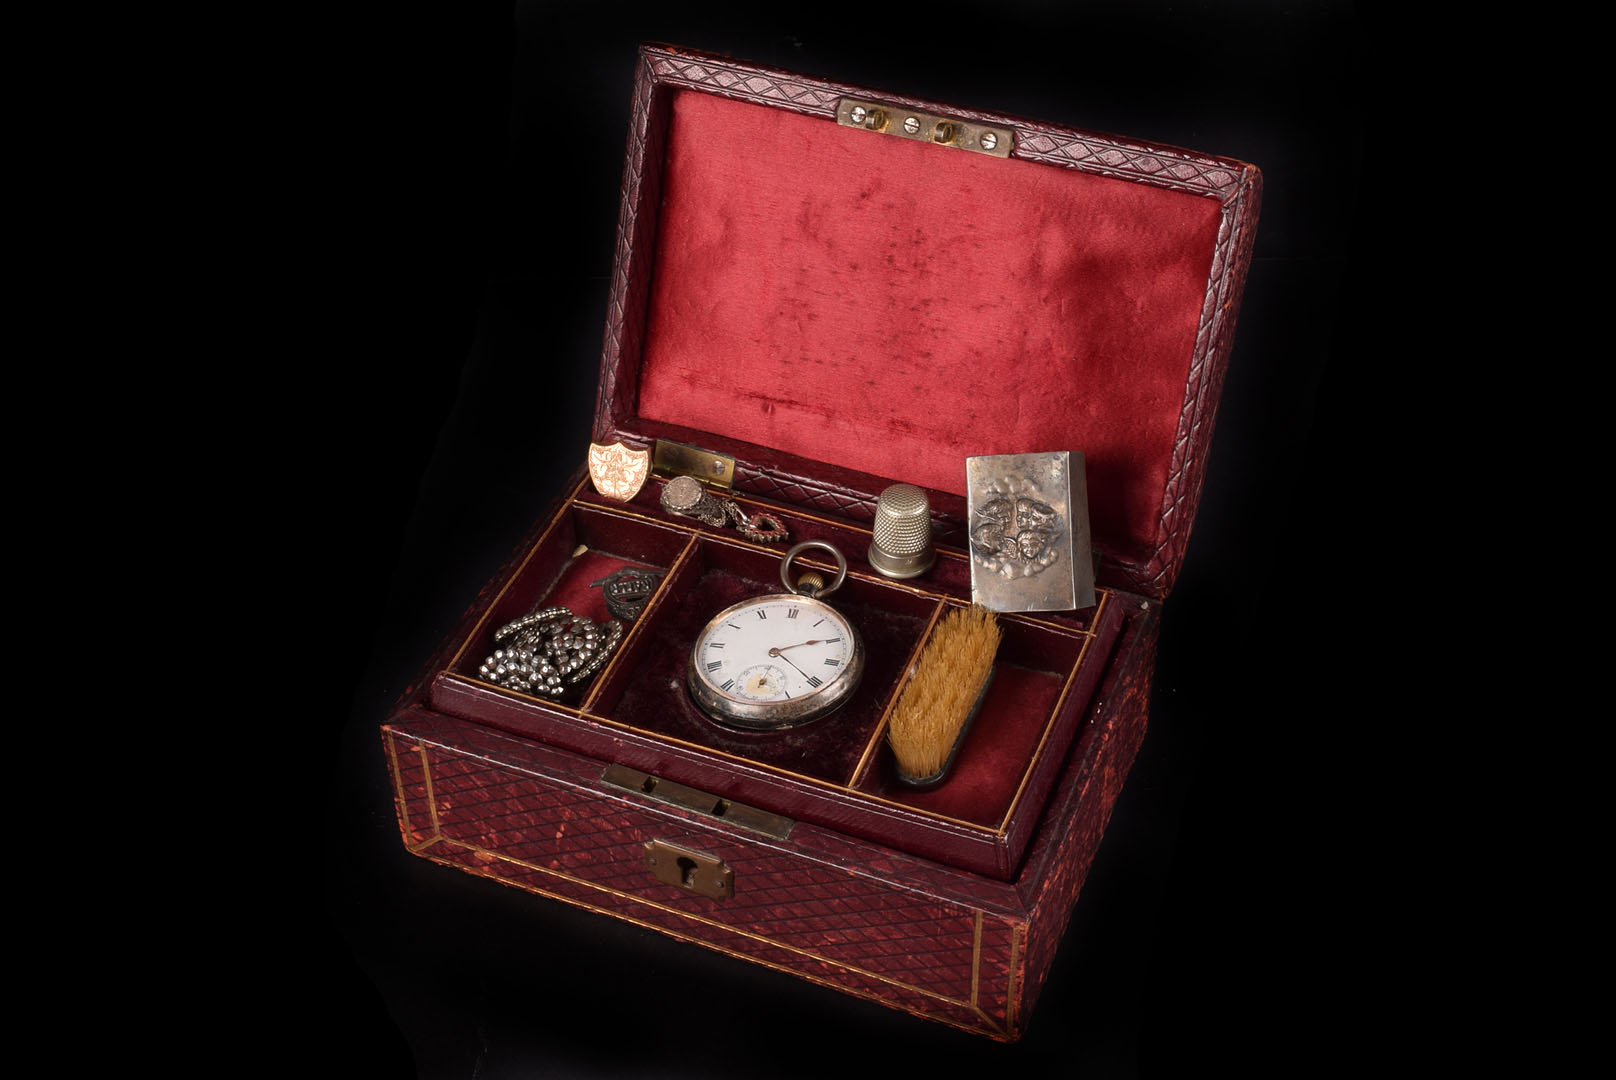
<point x="617" y="471"/>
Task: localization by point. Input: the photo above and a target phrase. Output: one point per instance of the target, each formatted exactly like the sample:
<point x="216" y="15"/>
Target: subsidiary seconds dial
<point x="776" y="661"/>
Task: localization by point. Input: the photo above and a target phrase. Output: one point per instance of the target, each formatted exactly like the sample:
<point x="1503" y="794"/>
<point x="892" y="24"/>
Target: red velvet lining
<point x="988" y="771"/>
<point x="576" y="589"/>
<point x="893" y="307"/>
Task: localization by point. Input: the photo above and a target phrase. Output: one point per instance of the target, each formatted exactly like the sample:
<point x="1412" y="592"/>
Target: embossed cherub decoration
<point x="1013" y="532"/>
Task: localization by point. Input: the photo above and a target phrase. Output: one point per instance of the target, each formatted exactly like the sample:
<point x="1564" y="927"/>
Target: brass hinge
<point x="925" y="127"/>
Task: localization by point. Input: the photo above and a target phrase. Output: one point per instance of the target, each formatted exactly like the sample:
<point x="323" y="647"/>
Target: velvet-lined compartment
<point x="582" y="546"/>
<point x="1029" y="671"/>
<point x="893" y="307"/>
<point x="651" y="695"/>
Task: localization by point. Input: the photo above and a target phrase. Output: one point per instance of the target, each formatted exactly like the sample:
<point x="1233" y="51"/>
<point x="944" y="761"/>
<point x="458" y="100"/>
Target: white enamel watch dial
<point x="776" y="661"/>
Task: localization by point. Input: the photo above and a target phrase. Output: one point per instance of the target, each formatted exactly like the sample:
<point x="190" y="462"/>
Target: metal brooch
<point x="686" y="497"/>
<point x="627" y="591"/>
<point x="549" y="651"/>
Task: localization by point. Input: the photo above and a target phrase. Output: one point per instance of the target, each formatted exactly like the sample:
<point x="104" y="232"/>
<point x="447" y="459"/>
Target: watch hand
<point x="787" y="659"/>
<point x="798" y="645"/>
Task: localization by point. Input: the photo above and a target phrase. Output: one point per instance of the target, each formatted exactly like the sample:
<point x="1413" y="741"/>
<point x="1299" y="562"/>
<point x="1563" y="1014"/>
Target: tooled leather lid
<point x="841" y="310"/>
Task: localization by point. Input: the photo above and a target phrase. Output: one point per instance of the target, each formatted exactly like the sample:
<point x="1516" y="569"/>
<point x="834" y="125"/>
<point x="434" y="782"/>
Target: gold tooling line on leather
<point x="482" y="852"/>
<point x="1010" y="985"/>
<point x="976" y="958"/>
<point x="431" y="796"/>
<point x="403" y="799"/>
<point x="398" y="786"/>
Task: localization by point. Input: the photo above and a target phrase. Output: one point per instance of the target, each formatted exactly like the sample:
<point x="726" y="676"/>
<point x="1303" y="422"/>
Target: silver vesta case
<point x="1029" y="532"/>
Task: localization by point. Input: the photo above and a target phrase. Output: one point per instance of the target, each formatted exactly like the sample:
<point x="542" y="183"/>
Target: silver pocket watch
<point x="780" y="660"/>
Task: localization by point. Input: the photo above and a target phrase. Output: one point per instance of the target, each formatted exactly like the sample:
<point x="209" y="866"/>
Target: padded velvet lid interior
<point x="894" y="307"/>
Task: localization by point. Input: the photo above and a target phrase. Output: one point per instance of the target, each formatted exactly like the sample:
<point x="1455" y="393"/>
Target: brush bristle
<point x="947" y="679"/>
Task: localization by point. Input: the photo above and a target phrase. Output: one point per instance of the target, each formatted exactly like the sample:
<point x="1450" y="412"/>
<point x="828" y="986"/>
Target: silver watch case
<point x="773" y="715"/>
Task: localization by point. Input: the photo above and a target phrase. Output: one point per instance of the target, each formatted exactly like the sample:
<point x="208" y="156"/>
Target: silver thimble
<point x="901" y="547"/>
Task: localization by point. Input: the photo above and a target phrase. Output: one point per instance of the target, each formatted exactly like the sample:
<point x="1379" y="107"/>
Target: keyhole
<point x="687" y="872"/>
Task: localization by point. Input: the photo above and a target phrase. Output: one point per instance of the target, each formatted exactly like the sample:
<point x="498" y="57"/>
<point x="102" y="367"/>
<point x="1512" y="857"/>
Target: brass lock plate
<point x="677" y="459"/>
<point x="702" y="802"/>
<point x="689" y="870"/>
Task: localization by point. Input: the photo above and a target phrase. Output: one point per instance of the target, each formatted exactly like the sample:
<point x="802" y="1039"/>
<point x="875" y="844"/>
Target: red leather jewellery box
<point x="839" y="303"/>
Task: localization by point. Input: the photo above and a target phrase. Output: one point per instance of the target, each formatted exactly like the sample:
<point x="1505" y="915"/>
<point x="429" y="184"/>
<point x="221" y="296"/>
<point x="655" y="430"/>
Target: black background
<point x="468" y="161"/>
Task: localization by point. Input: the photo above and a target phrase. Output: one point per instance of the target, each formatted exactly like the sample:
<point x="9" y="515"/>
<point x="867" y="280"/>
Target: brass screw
<point x="874" y="119"/>
<point x="989" y="140"/>
<point x="911" y="125"/>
